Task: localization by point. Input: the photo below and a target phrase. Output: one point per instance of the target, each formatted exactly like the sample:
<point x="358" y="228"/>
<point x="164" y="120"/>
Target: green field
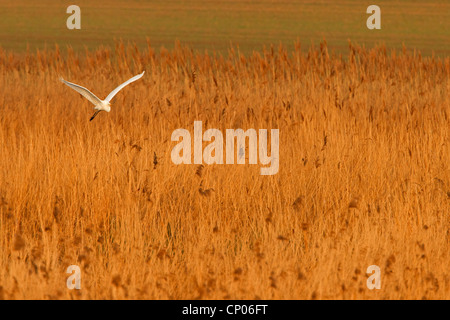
<point x="213" y="25"/>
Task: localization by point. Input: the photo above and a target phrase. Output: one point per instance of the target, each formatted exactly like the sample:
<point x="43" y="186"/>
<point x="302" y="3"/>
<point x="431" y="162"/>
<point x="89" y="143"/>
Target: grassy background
<point x="213" y="25"/>
<point x="364" y="176"/>
<point x="364" y="148"/>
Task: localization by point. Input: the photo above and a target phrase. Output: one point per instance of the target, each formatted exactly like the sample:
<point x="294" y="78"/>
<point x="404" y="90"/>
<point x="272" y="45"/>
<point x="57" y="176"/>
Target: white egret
<point x="100" y="105"/>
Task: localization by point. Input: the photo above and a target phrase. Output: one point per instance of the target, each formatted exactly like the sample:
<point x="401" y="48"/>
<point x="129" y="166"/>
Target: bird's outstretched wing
<point x="114" y="92"/>
<point x="83" y="91"/>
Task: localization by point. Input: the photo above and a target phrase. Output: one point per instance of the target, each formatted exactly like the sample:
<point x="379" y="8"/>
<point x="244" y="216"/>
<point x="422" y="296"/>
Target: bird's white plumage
<point x="100" y="105"/>
<point x="83" y="91"/>
<point x="114" y="92"/>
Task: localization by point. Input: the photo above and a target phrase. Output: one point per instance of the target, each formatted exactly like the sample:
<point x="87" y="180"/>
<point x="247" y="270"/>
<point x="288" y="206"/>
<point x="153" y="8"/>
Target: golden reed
<point x="363" y="176"/>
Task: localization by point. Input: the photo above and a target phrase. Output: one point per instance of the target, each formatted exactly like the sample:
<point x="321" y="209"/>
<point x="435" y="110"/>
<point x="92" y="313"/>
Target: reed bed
<point x="364" y="175"/>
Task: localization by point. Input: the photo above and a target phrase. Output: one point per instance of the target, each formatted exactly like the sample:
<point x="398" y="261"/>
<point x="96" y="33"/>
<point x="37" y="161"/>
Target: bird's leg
<point x="96" y="112"/>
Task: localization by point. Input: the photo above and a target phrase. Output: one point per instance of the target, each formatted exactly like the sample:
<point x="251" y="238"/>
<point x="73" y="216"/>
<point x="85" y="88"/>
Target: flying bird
<point x="100" y="105"/>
